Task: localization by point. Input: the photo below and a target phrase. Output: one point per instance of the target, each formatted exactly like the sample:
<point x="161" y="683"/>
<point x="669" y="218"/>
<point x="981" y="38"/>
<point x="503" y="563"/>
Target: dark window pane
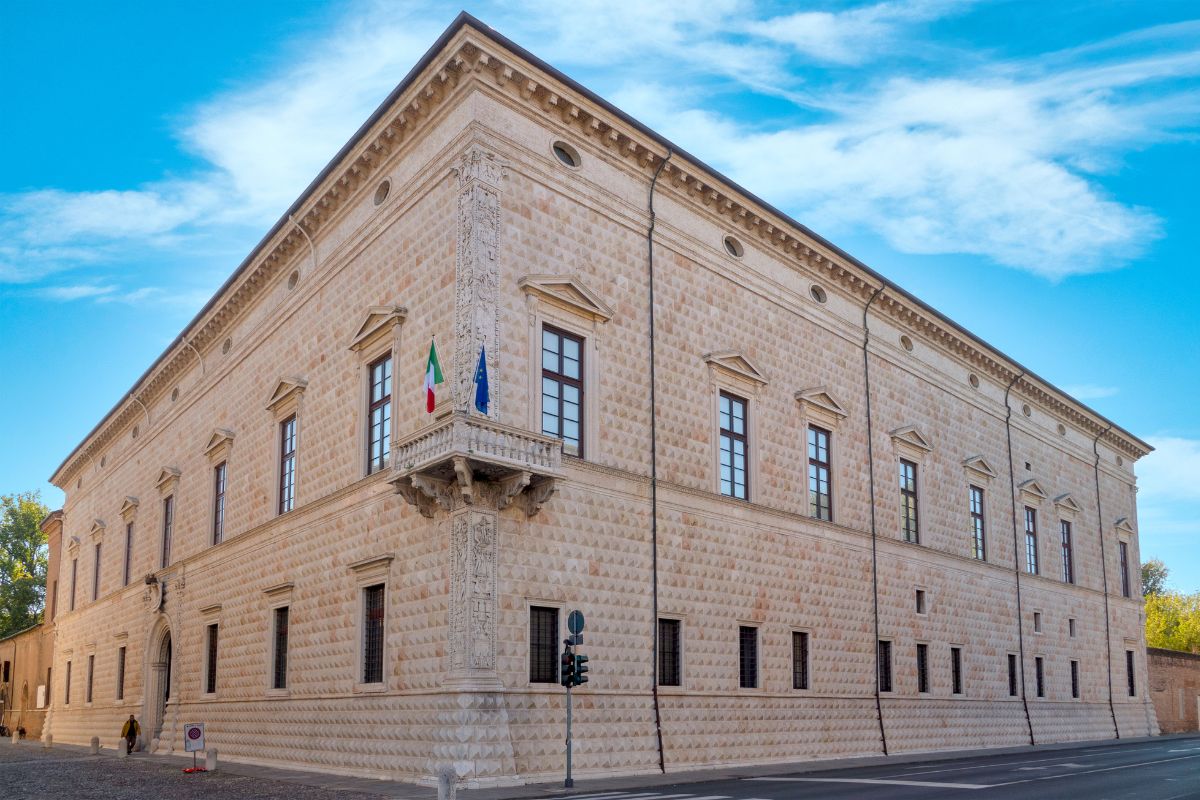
<point x="210" y="679"/>
<point x="563" y="389"/>
<point x="884" y="656"/>
<point x="799" y="660"/>
<point x="748" y="660"/>
<point x="279" y="680"/>
<point x="373" y="634"/>
<point x="543" y="645"/>
<point x="669" y="672"/>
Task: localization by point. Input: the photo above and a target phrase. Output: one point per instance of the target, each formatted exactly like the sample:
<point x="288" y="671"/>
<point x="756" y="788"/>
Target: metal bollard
<point x="447" y="782"/>
<point x="95" y="745"/>
<point x="210" y="759"/>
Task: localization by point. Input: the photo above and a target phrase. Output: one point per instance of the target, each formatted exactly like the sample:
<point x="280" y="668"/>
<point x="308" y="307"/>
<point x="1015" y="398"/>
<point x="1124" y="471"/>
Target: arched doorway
<point x="161" y="686"/>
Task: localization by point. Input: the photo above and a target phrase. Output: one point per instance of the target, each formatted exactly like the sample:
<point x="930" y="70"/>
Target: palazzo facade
<point x="804" y="514"/>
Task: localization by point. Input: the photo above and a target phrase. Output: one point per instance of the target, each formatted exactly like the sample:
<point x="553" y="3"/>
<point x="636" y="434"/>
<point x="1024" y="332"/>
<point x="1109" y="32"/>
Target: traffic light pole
<point x="569" y="783"/>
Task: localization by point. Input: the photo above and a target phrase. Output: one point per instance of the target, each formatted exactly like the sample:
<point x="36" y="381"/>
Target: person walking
<point x="129" y="732"/>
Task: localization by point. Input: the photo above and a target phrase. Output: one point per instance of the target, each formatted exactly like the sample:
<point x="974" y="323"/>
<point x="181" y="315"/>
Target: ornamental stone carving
<point x="472" y="646"/>
<point x="477" y="277"/>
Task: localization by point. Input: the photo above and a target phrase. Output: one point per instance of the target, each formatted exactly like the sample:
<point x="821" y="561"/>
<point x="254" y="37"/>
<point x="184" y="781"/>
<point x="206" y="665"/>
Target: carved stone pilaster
<point x="477" y="277"/>
<point x="472" y="647"/>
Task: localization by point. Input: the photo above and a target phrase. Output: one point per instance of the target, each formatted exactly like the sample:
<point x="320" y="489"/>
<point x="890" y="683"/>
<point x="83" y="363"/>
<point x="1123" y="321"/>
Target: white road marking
<point x="996" y="765"/>
<point x="1102" y="769"/>
<point x="927" y="784"/>
<point x="1186" y="750"/>
<point x="1030" y="769"/>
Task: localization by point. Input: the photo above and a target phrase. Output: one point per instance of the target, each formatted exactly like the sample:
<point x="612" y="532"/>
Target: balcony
<point x="465" y="459"/>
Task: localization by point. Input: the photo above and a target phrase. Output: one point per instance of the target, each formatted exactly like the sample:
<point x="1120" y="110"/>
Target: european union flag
<point x="481" y="382"/>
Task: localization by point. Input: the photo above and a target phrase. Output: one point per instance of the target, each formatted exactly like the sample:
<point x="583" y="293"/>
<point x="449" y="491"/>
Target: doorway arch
<point x="160" y="660"/>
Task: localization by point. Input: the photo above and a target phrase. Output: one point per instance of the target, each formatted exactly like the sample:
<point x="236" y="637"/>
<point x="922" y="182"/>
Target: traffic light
<point x="579" y="670"/>
<point x="567" y="669"/>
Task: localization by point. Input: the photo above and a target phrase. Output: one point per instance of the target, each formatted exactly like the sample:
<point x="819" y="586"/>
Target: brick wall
<point x="1175" y="689"/>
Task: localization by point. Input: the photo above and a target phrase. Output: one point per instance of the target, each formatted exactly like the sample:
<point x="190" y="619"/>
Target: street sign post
<point x="570" y="675"/>
<point x="193" y="742"/>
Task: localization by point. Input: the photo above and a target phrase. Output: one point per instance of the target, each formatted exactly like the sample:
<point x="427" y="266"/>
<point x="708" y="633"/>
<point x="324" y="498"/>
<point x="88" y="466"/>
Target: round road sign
<point x="575" y="621"/>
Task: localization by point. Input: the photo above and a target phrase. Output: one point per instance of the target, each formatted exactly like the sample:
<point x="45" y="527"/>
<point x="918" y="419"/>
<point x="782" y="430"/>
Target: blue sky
<point x="1028" y="168"/>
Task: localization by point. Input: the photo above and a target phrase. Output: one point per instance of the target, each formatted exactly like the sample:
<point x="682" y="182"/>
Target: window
<point x="956" y="678"/>
<point x="1031" y="550"/>
<point x="1040" y="671"/>
<point x="167" y="525"/>
<point x="908" y="502"/>
<point x="978" y="529"/>
<point x="1071" y="627"/>
<point x="279" y="671"/>
<point x="1037" y="622"/>
<point x="379" y="414"/>
<point x="120" y="673"/>
<point x="218" y="521"/>
<point x="210" y="667"/>
<point x="128" y="554"/>
<point x="1075" y="679"/>
<point x="820" y="496"/>
<point x="734" y="444"/>
<point x="53" y="603"/>
<point x="562" y="389"/>
<point x="747" y="657"/>
<point x="923" y="668"/>
<point x="884" y="657"/>
<point x="372" y="663"/>
<point x="799" y="660"/>
<point x="287" y="464"/>
<point x="543" y="644"/>
<point x="7" y="665"/>
<point x="67" y="687"/>
<point x="90" y="675"/>
<point x="1125" y="590"/>
<point x="1012" y="675"/>
<point x="1068" y="561"/>
<point x="96" y="573"/>
<point x="1129" y="675"/>
<point x="920" y="601"/>
<point x="669" y="653"/>
<point x="74" y="574"/>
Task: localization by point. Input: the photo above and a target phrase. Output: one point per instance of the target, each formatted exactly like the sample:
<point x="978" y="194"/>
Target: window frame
<point x="910" y="499"/>
<point x="74" y="581"/>
<point x="119" y="691"/>
<point x="884" y="672"/>
<point x="1032" y="556"/>
<point x="749" y="680"/>
<point x="733" y="436"/>
<point x="168" y="530"/>
<point x="220" y="484"/>
<point x="562" y="379"/>
<point x="815" y="464"/>
<point x="802" y="662"/>
<point x="978" y="521"/>
<point x="1039" y="676"/>
<point x="677" y="623"/>
<point x="89" y="694"/>
<point x="67" y="685"/>
<point x="127" y="556"/>
<point x="276" y="685"/>
<point x="922" y="664"/>
<point x="535" y="660"/>
<point x="364" y="634"/>
<point x="96" y="562"/>
<point x="1076" y="683"/>
<point x="1014" y="684"/>
<point x="212" y="641"/>
<point x="1123" y="565"/>
<point x="957" y="671"/>
<point x="286" y="465"/>
<point x="1067" y="542"/>
<point x="1131" y="673"/>
<point x="378" y="463"/>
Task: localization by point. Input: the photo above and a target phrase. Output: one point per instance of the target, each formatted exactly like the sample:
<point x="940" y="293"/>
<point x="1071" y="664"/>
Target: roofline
<point x="23" y="630"/>
<point x="463" y="20"/>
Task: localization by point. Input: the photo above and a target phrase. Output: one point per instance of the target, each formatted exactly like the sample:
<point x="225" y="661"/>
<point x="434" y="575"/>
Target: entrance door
<point x="163" y="690"/>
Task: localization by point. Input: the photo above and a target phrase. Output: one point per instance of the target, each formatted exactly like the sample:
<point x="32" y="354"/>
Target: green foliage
<point x="22" y="561"/>
<point x="1154" y="577"/>
<point x="1173" y="620"/>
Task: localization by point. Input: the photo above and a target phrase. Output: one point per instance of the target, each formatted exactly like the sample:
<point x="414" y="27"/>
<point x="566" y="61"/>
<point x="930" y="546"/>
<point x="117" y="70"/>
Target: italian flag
<point x="433" y="376"/>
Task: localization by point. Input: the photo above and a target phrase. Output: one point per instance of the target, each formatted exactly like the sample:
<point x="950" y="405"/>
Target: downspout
<point x="874" y="528"/>
<point x="197" y="352"/>
<point x="1104" y="572"/>
<point x="662" y="767"/>
<point x="138" y="400"/>
<point x="1012" y="479"/>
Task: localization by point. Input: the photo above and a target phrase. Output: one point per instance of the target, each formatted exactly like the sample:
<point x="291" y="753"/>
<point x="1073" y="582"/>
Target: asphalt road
<point x="1158" y="770"/>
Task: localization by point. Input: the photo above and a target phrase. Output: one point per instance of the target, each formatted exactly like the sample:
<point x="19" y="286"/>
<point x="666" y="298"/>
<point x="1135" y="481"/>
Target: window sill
<point x="284" y="693"/>
<point x="370" y="688"/>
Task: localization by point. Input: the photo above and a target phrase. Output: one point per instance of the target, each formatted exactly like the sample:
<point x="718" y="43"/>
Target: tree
<point x="1154" y="577"/>
<point x="1173" y="621"/>
<point x="22" y="561"/>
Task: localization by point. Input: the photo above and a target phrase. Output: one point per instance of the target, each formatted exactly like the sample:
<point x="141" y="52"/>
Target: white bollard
<point x="121" y="749"/>
<point x="48" y="742"/>
<point x="210" y="759"/>
<point x="15" y="737"/>
<point x="447" y="782"/>
<point x="95" y="745"/>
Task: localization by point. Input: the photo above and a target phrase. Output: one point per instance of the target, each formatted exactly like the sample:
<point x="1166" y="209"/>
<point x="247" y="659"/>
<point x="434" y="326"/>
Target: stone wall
<point x="1175" y="689"/>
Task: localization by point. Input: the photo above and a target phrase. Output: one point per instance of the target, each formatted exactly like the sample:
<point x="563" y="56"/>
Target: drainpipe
<point x="311" y="247"/>
<point x="874" y="528"/>
<point x="1104" y="572"/>
<point x="1012" y="478"/>
<point x="662" y="767"/>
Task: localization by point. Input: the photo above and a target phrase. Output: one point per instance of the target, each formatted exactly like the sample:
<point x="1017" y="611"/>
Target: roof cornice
<point x="470" y="49"/>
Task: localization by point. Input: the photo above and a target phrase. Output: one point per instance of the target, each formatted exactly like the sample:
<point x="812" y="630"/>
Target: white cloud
<point x="76" y="292"/>
<point x="852" y="36"/>
<point x="1090" y="391"/>
<point x="1171" y="472"/>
